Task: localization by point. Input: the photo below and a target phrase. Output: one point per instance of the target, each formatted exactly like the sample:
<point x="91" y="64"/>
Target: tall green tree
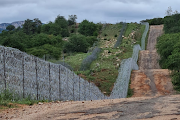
<point x="88" y="28"/>
<point x="62" y="23"/>
<point x="72" y="19"/>
<point x="32" y="26"/>
<point x="10" y="27"/>
<point x="77" y="43"/>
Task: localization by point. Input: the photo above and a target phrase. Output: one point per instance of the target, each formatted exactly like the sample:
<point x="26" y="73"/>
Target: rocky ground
<point x="152" y="99"/>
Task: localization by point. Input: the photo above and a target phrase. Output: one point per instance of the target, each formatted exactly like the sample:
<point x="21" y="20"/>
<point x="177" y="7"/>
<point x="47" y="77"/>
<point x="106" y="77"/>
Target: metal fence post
<point x="84" y="83"/>
<point x="4" y="62"/>
<point x="36" y="78"/>
<point x="79" y="89"/>
<point x="67" y="83"/>
<point x="49" y="82"/>
<point x="23" y="74"/>
<point x="59" y="82"/>
<point x="73" y="87"/>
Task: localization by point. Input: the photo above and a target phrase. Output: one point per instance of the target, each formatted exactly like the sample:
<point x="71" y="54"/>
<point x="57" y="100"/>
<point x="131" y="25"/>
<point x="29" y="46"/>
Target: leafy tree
<point x="172" y="23"/>
<point x="63" y="24"/>
<point x="169" y="11"/>
<point x="51" y="28"/>
<point x="88" y="28"/>
<point x="10" y="27"/>
<point x="72" y="19"/>
<point x="168" y="47"/>
<point x="38" y="24"/>
<point x="28" y="26"/>
<point x="13" y="41"/>
<point x="32" y="26"/>
<point x="77" y="43"/>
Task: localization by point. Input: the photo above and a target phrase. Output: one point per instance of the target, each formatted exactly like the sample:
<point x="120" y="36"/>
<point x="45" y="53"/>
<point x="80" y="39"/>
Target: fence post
<point x="67" y="83"/>
<point x="89" y="90"/>
<point x="79" y="89"/>
<point x="49" y="82"/>
<point x="84" y="83"/>
<point x="59" y="82"/>
<point x="23" y="73"/>
<point x="36" y="78"/>
<point x="4" y="62"/>
<point x="73" y="86"/>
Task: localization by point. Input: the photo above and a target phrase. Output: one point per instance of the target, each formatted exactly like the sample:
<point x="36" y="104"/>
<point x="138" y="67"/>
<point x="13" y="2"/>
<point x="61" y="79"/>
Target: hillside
<point x="104" y="70"/>
<point x="148" y="107"/>
<point x="150" y="79"/>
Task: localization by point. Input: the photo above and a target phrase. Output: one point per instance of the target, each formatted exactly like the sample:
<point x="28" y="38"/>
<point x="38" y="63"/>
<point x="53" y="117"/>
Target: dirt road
<point x="151" y="80"/>
<point x="148" y="108"/>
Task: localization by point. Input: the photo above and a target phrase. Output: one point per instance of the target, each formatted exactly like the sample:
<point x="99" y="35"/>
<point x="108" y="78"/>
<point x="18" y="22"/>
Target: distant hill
<point x="16" y="24"/>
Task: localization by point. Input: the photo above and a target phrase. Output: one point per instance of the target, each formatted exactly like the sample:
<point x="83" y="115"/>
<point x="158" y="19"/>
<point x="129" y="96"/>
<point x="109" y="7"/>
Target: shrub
<point x="91" y="40"/>
<point x="77" y="43"/>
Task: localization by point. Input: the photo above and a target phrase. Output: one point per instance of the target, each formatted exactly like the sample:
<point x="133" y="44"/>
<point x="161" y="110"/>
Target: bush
<point x="77" y="43"/>
<point x="115" y="35"/>
<point x="91" y="40"/>
<point x="88" y="28"/>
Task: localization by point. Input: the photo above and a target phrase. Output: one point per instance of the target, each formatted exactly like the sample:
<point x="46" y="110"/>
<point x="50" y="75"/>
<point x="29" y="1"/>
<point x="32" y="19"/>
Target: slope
<point x="150" y="80"/>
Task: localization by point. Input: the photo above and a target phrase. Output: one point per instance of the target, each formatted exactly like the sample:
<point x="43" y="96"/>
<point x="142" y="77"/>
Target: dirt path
<point x="150" y="80"/>
<point x="148" y="108"/>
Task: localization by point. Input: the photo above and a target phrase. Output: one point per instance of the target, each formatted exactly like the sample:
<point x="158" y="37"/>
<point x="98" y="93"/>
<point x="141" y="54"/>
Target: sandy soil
<point x="150" y="81"/>
<point x="145" y="108"/>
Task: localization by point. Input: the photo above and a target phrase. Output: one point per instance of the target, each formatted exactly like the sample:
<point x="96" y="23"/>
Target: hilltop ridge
<point x="16" y="24"/>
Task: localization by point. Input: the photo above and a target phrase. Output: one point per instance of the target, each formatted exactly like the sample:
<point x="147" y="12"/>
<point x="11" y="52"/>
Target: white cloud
<point x="93" y="10"/>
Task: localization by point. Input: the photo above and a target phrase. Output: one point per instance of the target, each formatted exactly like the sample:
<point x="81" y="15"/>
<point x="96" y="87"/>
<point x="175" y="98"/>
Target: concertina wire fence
<point x="28" y="76"/>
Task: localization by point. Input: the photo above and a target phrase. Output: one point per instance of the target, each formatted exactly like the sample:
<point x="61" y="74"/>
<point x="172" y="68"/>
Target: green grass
<point x="10" y="100"/>
<point x="110" y="31"/>
<point x="105" y="75"/>
<point x="74" y="60"/>
<point x="130" y="91"/>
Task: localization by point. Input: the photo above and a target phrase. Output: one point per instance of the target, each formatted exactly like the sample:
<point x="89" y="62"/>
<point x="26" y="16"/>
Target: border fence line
<point x="29" y="76"/>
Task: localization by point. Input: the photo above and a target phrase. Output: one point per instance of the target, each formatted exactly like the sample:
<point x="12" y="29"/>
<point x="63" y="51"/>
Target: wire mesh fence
<point x="119" y="40"/>
<point x="144" y="35"/>
<point x="27" y="75"/>
<point x="85" y="65"/>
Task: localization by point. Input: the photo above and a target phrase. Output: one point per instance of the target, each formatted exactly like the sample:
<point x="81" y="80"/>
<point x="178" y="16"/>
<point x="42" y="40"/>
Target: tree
<point x="10" y="27"/>
<point x="88" y="28"/>
<point x="32" y="26"/>
<point x="172" y="23"/>
<point x="169" y="11"/>
<point x="72" y="19"/>
<point x="62" y="23"/>
<point x="28" y="26"/>
<point x="77" y="43"/>
<point x="12" y="40"/>
<point x="38" y="24"/>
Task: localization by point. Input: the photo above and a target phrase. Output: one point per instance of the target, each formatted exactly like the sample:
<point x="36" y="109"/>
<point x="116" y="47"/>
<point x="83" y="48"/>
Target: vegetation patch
<point x="168" y="47"/>
<point x="10" y="100"/>
<point x="104" y="70"/>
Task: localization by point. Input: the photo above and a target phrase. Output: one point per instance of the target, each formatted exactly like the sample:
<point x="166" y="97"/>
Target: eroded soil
<point x="151" y="80"/>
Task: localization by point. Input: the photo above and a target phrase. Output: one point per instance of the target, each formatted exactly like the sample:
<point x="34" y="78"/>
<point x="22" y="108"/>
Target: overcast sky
<point x="109" y="11"/>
